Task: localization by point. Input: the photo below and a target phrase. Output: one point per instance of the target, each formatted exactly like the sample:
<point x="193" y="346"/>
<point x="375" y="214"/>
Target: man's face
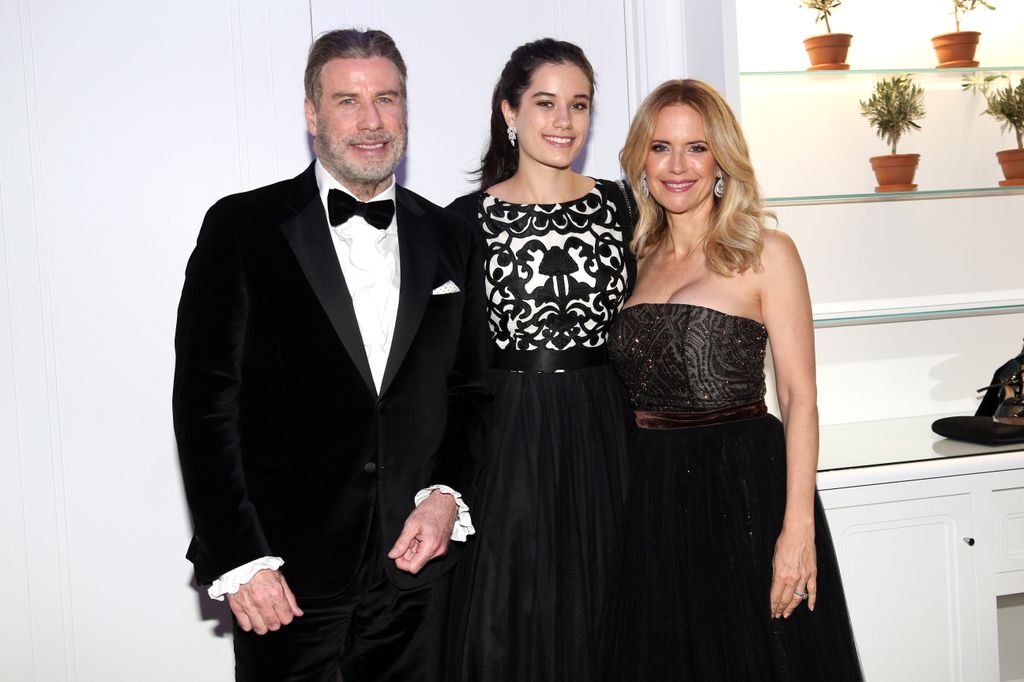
<point x="359" y="127"/>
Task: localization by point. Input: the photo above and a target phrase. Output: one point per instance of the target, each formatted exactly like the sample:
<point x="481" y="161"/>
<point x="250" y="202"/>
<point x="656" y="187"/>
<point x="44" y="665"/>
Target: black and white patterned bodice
<point x="555" y="273"/>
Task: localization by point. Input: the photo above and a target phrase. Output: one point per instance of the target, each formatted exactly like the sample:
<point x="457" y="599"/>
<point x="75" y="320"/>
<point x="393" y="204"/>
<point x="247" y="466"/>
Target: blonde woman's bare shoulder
<point x="779" y="249"/>
<point x="780" y="262"/>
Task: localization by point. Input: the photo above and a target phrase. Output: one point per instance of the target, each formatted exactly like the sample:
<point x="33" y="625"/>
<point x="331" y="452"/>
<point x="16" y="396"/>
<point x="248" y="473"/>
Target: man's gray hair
<point x="348" y="43"/>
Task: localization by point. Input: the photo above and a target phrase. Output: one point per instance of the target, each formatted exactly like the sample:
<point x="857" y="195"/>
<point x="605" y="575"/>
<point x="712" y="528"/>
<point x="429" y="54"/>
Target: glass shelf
<point x="872" y="197"/>
<point x="873" y="72"/>
<point x="915" y="313"/>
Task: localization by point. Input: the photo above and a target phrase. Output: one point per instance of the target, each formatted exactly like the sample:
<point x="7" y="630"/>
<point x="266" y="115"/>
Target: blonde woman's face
<point x="680" y="167"/>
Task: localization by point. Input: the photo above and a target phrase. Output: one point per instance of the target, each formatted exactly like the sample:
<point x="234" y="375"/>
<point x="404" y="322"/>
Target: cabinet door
<point x="1008" y="529"/>
<point x="909" y="580"/>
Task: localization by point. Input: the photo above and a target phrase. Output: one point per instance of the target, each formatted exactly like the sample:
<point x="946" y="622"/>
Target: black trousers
<point x="372" y="631"/>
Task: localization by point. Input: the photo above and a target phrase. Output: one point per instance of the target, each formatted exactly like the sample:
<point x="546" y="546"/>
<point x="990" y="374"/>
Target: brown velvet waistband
<point x="685" y="420"/>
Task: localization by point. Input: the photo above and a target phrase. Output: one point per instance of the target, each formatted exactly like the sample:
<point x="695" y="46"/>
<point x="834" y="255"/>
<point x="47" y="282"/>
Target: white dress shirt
<point x="369" y="260"/>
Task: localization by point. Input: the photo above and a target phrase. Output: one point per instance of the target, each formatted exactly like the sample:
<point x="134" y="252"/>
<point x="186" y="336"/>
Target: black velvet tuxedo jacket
<point x="286" y="448"/>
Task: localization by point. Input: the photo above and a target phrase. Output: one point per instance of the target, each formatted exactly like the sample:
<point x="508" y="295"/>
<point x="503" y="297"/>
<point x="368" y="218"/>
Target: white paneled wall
<point x="120" y="123"/>
<point x="456" y="49"/>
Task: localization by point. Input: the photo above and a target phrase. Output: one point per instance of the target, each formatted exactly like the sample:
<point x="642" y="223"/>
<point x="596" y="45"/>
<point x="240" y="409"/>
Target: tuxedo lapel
<point x="310" y="239"/>
<point x="418" y="249"/>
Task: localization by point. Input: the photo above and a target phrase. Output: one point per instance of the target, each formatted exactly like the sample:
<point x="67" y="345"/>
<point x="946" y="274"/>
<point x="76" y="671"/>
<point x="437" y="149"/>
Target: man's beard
<point x="336" y="155"/>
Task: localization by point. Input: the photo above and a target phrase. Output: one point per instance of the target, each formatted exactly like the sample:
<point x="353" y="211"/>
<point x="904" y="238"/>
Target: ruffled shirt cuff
<point x="236" y="577"/>
<point x="463" y="527"/>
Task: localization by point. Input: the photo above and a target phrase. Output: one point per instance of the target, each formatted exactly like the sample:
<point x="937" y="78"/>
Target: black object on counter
<point x="998" y="420"/>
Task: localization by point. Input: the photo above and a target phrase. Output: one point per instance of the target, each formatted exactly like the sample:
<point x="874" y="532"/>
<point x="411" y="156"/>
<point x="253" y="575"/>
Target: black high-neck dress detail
<point x="528" y="590"/>
<point x="705" y="506"/>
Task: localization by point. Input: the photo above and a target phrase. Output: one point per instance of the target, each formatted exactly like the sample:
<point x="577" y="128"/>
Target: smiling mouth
<point x="558" y="141"/>
<point x="678" y="186"/>
<point x="370" y="146"/>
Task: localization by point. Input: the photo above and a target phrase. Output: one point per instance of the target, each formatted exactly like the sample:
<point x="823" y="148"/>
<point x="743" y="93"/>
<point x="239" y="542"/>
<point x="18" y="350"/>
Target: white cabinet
<point x="925" y="549"/>
<point x="909" y="581"/>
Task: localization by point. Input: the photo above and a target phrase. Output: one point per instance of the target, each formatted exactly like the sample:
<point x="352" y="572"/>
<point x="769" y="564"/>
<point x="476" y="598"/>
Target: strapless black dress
<point x="705" y="506"/>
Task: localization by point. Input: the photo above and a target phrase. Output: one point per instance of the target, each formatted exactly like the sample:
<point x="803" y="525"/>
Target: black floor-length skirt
<point x="693" y="571"/>
<point x="528" y="592"/>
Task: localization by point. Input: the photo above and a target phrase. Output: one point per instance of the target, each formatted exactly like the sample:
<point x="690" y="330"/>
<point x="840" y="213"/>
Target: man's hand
<point x="264" y="603"/>
<point x="426" y="533"/>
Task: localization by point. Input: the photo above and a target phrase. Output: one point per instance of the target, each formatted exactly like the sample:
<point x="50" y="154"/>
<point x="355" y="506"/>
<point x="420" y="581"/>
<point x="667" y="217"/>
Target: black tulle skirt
<point x="528" y="590"/>
<point x="693" y="570"/>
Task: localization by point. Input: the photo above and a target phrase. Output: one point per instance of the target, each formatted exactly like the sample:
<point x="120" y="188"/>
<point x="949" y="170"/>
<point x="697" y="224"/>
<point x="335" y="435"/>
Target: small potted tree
<point x="1005" y="105"/>
<point x="827" y="51"/>
<point x="894" y="108"/>
<point x="956" y="50"/>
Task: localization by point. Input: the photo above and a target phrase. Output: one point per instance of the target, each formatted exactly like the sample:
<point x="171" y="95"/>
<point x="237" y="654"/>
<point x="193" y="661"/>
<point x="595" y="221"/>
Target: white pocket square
<point x="448" y="287"/>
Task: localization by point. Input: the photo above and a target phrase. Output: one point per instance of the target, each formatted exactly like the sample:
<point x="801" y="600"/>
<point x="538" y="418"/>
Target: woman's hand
<point x="794" y="572"/>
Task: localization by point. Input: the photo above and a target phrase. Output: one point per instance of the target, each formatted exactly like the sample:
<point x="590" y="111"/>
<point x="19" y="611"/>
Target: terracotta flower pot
<point x="956" y="50"/>
<point x="828" y="52"/>
<point x="895" y="172"/>
<point x="1012" y="161"/>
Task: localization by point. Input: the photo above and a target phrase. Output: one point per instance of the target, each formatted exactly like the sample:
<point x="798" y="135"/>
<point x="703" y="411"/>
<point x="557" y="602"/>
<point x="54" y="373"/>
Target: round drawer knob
<point x="969" y="541"/>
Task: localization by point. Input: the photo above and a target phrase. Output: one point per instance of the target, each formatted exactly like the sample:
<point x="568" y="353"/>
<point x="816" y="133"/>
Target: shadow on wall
<point x="212" y="610"/>
<point x="947" y="377"/>
<point x="581" y="160"/>
<point x="400" y="171"/>
<point x="220" y="613"/>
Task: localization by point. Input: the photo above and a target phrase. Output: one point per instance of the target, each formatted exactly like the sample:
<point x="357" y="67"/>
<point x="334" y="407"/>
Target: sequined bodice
<point x="555" y="273"/>
<point x="681" y="357"/>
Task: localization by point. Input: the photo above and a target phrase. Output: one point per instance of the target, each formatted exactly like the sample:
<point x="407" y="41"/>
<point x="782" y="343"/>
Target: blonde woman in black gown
<point x="727" y="570"/>
<point x="528" y="591"/>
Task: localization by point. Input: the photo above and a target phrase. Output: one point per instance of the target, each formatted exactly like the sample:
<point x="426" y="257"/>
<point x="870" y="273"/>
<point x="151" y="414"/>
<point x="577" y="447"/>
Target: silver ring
<point x="801" y="595"/>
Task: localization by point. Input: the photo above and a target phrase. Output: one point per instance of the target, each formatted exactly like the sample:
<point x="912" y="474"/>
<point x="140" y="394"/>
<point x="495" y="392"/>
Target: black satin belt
<point x="685" y="420"/>
<point x="544" y="360"/>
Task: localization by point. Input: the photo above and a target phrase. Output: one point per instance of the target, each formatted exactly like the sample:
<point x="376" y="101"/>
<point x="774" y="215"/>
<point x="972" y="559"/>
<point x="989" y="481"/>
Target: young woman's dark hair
<point x="501" y="159"/>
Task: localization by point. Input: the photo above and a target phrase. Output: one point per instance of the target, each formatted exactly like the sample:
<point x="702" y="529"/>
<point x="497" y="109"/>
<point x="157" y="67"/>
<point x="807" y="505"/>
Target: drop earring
<point x="719" y="188"/>
<point x="644" y="187"/>
<point x="512" y="132"/>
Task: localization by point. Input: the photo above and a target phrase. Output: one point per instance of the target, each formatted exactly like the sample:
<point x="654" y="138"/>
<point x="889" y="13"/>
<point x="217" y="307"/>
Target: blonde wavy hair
<point x="733" y="241"/>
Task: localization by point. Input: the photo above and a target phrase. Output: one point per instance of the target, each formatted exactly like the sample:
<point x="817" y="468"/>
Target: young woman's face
<point x="553" y="116"/>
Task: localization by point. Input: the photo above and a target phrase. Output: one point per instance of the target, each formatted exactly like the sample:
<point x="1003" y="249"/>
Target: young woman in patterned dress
<point x="528" y="591"/>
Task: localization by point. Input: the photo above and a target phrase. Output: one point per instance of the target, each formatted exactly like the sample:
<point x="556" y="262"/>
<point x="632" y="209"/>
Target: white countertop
<point x="863" y="453"/>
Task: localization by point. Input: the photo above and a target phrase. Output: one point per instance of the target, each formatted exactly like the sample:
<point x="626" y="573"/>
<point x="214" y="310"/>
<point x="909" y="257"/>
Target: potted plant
<point x="1005" y="105"/>
<point x="828" y="51"/>
<point x="894" y="108"/>
<point x="956" y="50"/>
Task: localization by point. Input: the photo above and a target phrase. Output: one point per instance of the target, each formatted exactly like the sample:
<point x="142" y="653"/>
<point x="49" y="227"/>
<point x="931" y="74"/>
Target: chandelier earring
<point x="719" y="188"/>
<point x="644" y="187"/>
<point x="512" y="132"/>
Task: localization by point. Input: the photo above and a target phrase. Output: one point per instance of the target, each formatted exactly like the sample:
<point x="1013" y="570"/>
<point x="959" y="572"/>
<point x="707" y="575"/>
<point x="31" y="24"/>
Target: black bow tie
<point x="341" y="206"/>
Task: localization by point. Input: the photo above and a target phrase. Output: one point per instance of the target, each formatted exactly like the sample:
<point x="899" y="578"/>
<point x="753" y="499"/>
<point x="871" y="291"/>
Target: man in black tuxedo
<point x="328" y="393"/>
